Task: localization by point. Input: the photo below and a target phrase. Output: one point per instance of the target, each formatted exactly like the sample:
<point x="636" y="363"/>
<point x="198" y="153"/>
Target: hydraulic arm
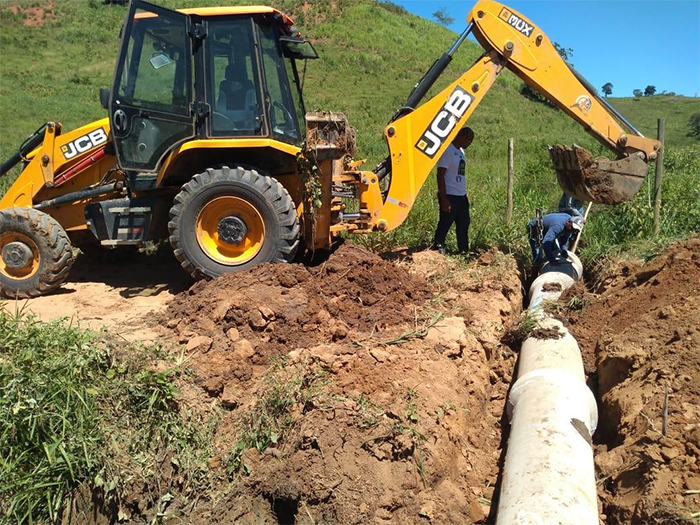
<point x="418" y="135"/>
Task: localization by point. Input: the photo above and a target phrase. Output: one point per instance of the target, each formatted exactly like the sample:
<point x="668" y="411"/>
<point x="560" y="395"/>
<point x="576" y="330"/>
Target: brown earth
<point x="122" y="293"/>
<point x="408" y="379"/>
<point x="641" y="329"/>
<point x="35" y="15"/>
<point x="400" y="375"/>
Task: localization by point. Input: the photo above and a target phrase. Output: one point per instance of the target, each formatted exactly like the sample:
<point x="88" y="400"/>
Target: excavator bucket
<point x="598" y="180"/>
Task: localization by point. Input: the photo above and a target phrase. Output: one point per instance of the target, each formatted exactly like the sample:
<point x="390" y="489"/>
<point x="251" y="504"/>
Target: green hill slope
<point x="644" y="112"/>
<point x="372" y="53"/>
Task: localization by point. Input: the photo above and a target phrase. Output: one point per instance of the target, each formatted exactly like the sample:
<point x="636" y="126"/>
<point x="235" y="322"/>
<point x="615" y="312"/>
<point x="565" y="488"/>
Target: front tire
<point x="227" y="220"/>
<point x="35" y="253"/>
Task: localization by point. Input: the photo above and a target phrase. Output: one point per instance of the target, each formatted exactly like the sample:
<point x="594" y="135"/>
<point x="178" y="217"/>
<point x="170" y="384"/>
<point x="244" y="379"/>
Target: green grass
<point x="79" y="415"/>
<point x="372" y="53"/>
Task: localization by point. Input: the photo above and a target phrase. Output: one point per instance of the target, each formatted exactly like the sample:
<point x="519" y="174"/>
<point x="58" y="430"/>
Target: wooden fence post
<point x="509" y="210"/>
<point x="658" y="177"/>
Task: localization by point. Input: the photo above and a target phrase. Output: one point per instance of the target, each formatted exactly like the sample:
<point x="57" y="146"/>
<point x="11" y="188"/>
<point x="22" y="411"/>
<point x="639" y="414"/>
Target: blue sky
<point x="630" y="44"/>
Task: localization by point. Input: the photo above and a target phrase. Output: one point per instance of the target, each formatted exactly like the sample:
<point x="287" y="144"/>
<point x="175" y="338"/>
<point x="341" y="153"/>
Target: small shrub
<point x="694" y="124"/>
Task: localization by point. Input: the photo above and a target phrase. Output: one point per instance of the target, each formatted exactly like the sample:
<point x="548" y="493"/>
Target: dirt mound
<point x="279" y="308"/>
<point x="644" y="331"/>
<point x="386" y="408"/>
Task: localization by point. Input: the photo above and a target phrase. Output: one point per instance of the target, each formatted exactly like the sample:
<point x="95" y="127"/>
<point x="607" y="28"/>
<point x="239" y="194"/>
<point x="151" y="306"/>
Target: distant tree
<point x="649" y="91"/>
<point x="695" y="125"/>
<point x="443" y="17"/>
<point x="637" y="93"/>
<point x="607" y="88"/>
<point x="566" y="53"/>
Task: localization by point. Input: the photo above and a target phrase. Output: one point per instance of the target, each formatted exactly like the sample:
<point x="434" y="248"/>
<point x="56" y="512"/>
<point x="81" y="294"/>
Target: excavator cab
<point x="182" y="76"/>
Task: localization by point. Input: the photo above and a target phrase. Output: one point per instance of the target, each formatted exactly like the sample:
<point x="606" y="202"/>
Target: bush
<point x="694" y="123"/>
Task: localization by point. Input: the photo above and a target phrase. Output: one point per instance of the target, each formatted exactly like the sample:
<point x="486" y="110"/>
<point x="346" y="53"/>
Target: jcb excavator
<point x="207" y="143"/>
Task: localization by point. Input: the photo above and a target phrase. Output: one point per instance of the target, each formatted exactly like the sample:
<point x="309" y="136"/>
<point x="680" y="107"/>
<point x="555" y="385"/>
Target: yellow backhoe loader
<point x="208" y="143"/>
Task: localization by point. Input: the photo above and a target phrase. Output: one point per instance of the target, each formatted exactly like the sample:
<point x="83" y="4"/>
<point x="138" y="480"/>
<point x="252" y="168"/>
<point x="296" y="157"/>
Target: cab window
<point x="155" y="75"/>
<point x="284" y="124"/>
<point x="233" y="79"/>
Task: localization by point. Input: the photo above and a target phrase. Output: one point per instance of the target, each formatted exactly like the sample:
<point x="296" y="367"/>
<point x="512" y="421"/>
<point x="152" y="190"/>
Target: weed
<point x="527" y="323"/>
<point x="369" y="413"/>
<point x="76" y="410"/>
<point x="578" y="303"/>
<point x="285" y="394"/>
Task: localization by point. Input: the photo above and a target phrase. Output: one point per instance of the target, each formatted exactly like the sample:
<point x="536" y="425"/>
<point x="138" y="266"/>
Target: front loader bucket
<point x="598" y="180"/>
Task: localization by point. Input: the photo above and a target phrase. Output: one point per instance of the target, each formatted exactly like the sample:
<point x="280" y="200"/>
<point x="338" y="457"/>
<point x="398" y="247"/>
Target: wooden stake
<point x="509" y="210"/>
<point x="659" y="176"/>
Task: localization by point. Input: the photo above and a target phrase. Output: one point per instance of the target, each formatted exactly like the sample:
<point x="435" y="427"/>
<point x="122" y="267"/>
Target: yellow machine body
<point x="84" y="175"/>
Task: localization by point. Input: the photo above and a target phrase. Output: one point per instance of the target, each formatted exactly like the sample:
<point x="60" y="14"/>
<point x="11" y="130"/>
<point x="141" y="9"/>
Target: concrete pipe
<point x="549" y="474"/>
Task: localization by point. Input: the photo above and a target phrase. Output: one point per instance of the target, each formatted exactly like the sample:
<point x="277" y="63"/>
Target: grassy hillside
<point x="372" y="53"/>
<point x="644" y="112"/>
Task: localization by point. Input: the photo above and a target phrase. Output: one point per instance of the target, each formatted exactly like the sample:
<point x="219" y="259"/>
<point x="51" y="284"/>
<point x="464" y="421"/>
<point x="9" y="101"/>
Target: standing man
<point x="452" y="192"/>
<point x="550" y="236"/>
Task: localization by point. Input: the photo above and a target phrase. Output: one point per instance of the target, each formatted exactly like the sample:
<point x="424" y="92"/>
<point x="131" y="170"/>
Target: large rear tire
<point x="227" y="220"/>
<point x="35" y="253"/>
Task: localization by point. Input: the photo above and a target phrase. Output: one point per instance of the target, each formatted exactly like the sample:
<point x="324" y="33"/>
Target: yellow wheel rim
<point x="225" y="250"/>
<point x="32" y="265"/>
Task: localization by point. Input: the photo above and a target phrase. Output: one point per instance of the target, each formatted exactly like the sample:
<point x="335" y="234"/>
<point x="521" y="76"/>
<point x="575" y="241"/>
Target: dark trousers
<point x="458" y="215"/>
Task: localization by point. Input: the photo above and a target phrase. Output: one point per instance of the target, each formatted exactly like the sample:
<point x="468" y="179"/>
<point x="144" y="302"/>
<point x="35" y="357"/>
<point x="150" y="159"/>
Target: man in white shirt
<point x="452" y="192"/>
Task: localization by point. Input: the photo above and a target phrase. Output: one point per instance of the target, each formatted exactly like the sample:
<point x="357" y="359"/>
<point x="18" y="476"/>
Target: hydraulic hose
<point x="29" y="145"/>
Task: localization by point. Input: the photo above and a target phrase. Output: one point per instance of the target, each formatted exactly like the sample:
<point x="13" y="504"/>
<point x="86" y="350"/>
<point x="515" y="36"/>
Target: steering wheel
<point x="225" y="123"/>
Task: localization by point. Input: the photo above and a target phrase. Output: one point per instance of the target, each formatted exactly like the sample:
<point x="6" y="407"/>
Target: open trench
<point x="384" y="385"/>
<point x="637" y="326"/>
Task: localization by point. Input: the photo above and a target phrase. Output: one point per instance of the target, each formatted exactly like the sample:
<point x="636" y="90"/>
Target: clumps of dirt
<point x="280" y="308"/>
<point x="551" y="332"/>
<point x="551" y="287"/>
<point x="595" y="178"/>
<point x="403" y="420"/>
<point x="644" y="330"/>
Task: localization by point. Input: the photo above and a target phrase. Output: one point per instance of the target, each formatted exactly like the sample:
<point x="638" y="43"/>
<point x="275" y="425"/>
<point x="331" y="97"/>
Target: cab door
<point x="151" y="99"/>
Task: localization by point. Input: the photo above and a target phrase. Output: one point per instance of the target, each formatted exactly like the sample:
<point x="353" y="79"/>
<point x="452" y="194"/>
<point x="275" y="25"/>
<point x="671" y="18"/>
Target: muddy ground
<point x="395" y="371"/>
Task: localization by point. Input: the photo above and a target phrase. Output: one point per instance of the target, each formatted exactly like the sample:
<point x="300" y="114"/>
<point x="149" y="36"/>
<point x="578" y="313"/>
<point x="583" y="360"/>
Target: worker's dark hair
<point x="466" y="131"/>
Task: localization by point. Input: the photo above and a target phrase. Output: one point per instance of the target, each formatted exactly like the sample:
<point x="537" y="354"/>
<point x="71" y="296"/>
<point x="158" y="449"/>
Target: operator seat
<point x="237" y="99"/>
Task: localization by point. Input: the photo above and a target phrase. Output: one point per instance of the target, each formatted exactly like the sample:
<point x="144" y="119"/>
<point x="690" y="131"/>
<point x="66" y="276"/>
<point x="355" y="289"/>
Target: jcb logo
<point x="84" y="143"/>
<point x="444" y="122"/>
<point x="518" y="23"/>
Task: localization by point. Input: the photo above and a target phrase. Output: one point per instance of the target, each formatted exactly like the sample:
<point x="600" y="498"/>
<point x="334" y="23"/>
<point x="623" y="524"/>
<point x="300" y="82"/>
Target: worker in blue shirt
<point x="550" y="235"/>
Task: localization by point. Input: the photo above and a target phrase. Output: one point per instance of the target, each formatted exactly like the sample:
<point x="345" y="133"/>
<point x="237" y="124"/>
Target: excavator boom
<point x="419" y="134"/>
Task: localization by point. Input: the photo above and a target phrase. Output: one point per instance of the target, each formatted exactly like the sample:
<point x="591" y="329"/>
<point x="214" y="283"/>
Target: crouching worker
<point x="550" y="236"/>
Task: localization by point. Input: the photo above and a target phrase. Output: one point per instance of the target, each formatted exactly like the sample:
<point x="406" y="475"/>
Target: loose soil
<point x="640" y="327"/>
<point x="122" y="293"/>
<point x="406" y="426"/>
<point x="403" y="373"/>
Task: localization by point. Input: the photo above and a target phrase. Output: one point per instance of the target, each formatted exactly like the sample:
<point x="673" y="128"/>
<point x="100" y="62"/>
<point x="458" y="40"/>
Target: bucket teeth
<point x="598" y="180"/>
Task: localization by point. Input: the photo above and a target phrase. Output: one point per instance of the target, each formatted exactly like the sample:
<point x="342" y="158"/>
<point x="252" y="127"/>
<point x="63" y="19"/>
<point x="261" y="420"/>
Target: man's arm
<point x="442" y="192"/>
